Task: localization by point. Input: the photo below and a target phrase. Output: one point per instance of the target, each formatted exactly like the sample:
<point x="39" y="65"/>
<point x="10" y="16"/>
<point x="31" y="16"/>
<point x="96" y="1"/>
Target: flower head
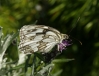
<point x="64" y="44"/>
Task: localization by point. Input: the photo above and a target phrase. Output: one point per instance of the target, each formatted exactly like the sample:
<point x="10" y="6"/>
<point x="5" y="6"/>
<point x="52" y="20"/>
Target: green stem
<point x="33" y="65"/>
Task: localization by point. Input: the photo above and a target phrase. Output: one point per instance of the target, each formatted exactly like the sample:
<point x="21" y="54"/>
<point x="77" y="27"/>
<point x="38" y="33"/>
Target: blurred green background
<point x="62" y="15"/>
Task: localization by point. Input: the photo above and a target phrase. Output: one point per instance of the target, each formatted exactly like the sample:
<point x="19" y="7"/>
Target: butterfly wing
<point x="38" y="38"/>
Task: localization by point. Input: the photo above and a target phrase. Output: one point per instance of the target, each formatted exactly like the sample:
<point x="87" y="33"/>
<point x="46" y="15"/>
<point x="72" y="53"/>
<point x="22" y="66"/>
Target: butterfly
<point x="41" y="38"/>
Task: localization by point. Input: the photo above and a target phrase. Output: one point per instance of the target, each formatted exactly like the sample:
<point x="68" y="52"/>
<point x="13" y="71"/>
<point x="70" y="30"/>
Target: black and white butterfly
<point x="41" y="38"/>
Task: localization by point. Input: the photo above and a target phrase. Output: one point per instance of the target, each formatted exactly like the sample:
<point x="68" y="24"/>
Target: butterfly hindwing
<point x="38" y="38"/>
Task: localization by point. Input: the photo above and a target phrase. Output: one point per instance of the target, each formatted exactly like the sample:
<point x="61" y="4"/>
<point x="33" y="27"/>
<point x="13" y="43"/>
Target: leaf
<point x="39" y="56"/>
<point x="62" y="60"/>
<point x="4" y="43"/>
<point x="45" y="70"/>
<point x="0" y="37"/>
<point x="57" y="73"/>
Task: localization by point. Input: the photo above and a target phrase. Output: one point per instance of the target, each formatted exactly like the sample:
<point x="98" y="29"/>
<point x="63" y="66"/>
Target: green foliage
<point x="4" y="43"/>
<point x="62" y="15"/>
<point x="26" y="65"/>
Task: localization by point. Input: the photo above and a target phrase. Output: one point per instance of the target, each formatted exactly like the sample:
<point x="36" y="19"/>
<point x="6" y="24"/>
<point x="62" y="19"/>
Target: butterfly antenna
<point x="74" y="25"/>
<point x="77" y="40"/>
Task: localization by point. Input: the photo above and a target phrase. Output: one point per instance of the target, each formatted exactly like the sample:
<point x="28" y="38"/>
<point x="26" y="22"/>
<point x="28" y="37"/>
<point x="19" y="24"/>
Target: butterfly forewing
<point x="40" y="38"/>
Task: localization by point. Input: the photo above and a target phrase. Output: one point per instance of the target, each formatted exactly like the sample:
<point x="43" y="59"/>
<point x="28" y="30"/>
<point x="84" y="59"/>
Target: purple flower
<point x="64" y="44"/>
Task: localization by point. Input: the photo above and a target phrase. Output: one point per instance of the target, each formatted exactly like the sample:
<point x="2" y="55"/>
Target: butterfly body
<point x="34" y="38"/>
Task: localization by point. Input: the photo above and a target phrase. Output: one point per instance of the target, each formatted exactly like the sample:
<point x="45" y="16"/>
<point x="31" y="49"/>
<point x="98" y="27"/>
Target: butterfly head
<point x="64" y="36"/>
<point x="64" y="43"/>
